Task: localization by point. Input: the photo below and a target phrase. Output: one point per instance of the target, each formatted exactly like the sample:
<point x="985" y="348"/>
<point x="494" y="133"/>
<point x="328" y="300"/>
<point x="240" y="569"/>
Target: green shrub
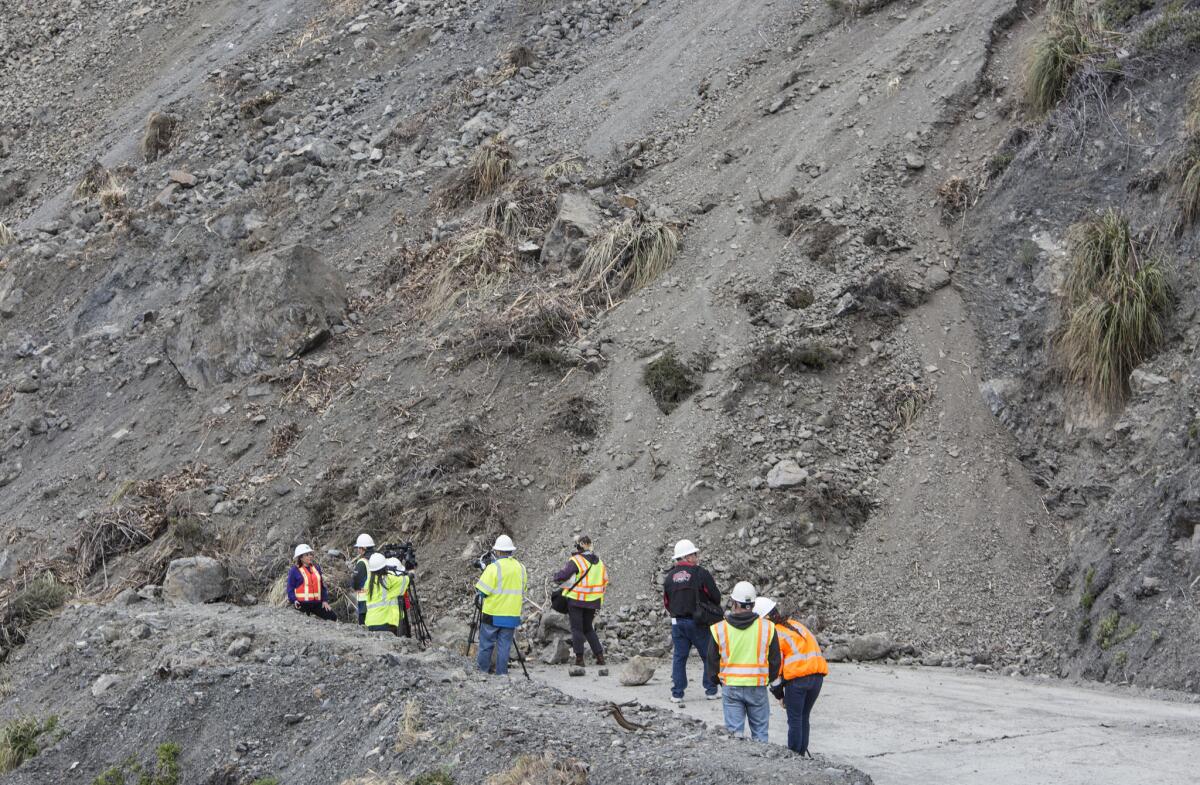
<point x="671" y="381"/>
<point x="166" y="769"/>
<point x="1174" y="28"/>
<point x="1088" y="596"/>
<point x="1117" y="300"/>
<point x="1110" y="632"/>
<point x="434" y="778"/>
<point x="19" y="740"/>
<point x="1055" y="58"/>
<point x="1119" y="12"/>
<point x="266" y="781"/>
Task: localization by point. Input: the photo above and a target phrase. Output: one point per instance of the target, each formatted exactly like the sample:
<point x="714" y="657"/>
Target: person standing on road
<point x="691" y="597"/>
<point x="502" y="587"/>
<point x="803" y="672"/>
<point x="747" y="657"/>
<point x="306" y="587"/>
<point x="385" y="595"/>
<point x="584" y="581"/>
<point x="364" y="546"/>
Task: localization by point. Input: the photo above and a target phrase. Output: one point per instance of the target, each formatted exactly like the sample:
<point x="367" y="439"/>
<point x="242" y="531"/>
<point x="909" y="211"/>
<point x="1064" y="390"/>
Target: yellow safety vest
<point x="384" y="600"/>
<point x="744" y="653"/>
<point x="360" y="595"/>
<point x="593" y="584"/>
<point x="503" y="583"/>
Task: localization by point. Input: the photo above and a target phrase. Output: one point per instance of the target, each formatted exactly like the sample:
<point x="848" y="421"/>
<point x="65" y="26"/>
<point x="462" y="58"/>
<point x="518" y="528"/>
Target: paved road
<point x="932" y="726"/>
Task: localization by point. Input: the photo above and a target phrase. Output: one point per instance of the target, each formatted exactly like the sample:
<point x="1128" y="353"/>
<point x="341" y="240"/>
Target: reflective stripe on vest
<point x="310" y="590"/>
<point x="801" y="653"/>
<point x="593" y="584"/>
<point x="744" y="653"/>
<point x="383" y="600"/>
<point x="361" y="594"/>
<point x="503" y="583"/>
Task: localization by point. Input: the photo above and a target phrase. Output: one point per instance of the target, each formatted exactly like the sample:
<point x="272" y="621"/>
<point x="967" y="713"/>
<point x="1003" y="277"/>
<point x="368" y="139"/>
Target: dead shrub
<point x="520" y="56"/>
<point x="670" y="380"/>
<point x="577" y="415"/>
<point x="774" y="358"/>
<point x="541" y="770"/>
<point x="522" y="211"/>
<point x="954" y="195"/>
<point x="478" y="262"/>
<point x="255" y="105"/>
<point x="570" y="166"/>
<point x="96" y="178"/>
<point x="833" y="501"/>
<point x="283" y="436"/>
<point x="7" y="236"/>
<point x="626" y="257"/>
<point x="530" y="326"/>
<point x="489" y="168"/>
<point x="410" y="732"/>
<point x="26" y="604"/>
<point x="159" y="135"/>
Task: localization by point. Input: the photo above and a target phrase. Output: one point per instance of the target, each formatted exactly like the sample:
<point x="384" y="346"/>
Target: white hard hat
<point x="301" y="549"/>
<point x="685" y="548"/>
<point x="364" y="541"/>
<point x="377" y="562"/>
<point x="504" y="543"/>
<point x="763" y="606"/>
<point x="743" y="592"/>
<point x="394" y="563"/>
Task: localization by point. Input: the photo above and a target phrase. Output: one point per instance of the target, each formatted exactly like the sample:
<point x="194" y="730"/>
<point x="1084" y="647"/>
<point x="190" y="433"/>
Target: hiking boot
<point x="600" y="659"/>
<point x="578" y="660"/>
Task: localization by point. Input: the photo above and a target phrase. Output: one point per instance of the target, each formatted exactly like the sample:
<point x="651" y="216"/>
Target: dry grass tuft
<point x="19" y="740"/>
<point x="28" y="604"/>
<point x="1192" y="117"/>
<point x="7" y="236"/>
<point x="1187" y="173"/>
<point x="568" y="166"/>
<point x="541" y="770"/>
<point x="159" y="135"/>
<point x="490" y="167"/>
<point x="477" y="263"/>
<point x="625" y="258"/>
<point x="255" y="105"/>
<point x="96" y="178"/>
<point x="522" y="211"/>
<point x="955" y="196"/>
<point x="1057" y="55"/>
<point x="410" y="733"/>
<point x="283" y="436"/>
<point x="1116" y="302"/>
<point x="535" y="321"/>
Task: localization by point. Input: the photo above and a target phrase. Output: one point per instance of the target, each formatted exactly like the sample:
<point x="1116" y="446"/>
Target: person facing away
<point x="583" y="583"/>
<point x="306" y="586"/>
<point x="685" y="585"/>
<point x="802" y="673"/>
<point x="364" y="546"/>
<point x="747" y="659"/>
<point x="385" y="590"/>
<point x="502" y="586"/>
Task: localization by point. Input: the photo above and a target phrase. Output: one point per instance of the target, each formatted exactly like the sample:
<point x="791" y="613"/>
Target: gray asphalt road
<point x="928" y="726"/>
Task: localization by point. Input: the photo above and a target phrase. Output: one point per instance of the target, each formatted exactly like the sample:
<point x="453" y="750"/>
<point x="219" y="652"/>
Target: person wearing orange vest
<point x="747" y="660"/>
<point x="306" y="586"/>
<point x="804" y="670"/>
<point x="583" y="582"/>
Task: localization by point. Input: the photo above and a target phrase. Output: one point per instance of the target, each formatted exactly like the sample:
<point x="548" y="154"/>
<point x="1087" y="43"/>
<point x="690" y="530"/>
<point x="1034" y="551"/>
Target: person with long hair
<point x="385" y="591"/>
<point x="306" y="589"/>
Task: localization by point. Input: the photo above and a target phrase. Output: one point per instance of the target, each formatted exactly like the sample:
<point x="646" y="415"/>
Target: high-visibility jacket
<point x="503" y="584"/>
<point x="591" y="586"/>
<point x="800" y="651"/>
<point x="384" y="599"/>
<point x="360" y="594"/>
<point x="744" y="652"/>
<point x="310" y="590"/>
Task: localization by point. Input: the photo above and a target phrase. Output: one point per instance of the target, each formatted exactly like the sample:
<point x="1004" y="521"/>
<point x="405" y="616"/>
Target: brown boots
<point x="579" y="660"/>
<point x="599" y="659"/>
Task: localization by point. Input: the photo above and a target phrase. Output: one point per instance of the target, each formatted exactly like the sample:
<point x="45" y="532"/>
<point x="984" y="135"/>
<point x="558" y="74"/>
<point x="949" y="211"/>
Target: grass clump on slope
<point x="1056" y="56"/>
<point x="19" y="740"/>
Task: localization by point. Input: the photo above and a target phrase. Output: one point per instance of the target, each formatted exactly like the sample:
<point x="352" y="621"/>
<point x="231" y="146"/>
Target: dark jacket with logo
<point x="682" y="584"/>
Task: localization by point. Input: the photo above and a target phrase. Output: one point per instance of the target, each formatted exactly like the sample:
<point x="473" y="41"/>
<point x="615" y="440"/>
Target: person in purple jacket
<point x="306" y="586"/>
<point x="584" y="580"/>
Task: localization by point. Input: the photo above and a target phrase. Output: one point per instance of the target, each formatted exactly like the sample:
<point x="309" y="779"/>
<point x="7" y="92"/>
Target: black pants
<point x="382" y="628"/>
<point x="581" y="627"/>
<point x="316" y="609"/>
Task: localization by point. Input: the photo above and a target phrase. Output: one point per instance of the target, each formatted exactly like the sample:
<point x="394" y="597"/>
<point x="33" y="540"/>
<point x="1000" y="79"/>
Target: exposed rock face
<point x="278" y="306"/>
<point x="196" y="579"/>
<point x="577" y="221"/>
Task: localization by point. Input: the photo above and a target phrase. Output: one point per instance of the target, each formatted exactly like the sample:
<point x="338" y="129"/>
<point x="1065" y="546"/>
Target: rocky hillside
<point x="807" y="282"/>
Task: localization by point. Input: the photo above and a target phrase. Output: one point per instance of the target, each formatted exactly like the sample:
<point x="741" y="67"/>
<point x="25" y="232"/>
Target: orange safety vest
<point x="593" y="583"/>
<point x="310" y="590"/>
<point x="744" y="653"/>
<point x="800" y="652"/>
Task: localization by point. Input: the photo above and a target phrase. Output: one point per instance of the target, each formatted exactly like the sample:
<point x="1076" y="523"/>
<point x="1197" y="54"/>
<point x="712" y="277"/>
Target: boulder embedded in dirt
<point x="862" y="648"/>
<point x="557" y="653"/>
<point x="12" y="187"/>
<point x="577" y="221"/>
<point x="786" y="474"/>
<point x="278" y="306"/>
<point x="637" y="672"/>
<point x="196" y="579"/>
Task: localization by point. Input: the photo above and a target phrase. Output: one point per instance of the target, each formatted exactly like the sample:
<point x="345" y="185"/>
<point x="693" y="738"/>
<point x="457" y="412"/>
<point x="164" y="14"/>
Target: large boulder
<point x="786" y="474"/>
<point x="862" y="648"/>
<point x="577" y="221"/>
<point x="277" y="306"/>
<point x="195" y="580"/>
<point x="637" y="672"/>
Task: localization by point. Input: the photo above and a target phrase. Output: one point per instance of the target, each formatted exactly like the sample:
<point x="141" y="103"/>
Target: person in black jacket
<point x="689" y="591"/>
<point x="583" y="582"/>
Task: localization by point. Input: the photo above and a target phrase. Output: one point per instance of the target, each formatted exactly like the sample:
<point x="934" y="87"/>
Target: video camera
<point x="483" y="560"/>
<point x="405" y="552"/>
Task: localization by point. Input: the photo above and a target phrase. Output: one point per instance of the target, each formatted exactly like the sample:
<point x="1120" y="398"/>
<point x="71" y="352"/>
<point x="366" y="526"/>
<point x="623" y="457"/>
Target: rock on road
<point x="927" y="726"/>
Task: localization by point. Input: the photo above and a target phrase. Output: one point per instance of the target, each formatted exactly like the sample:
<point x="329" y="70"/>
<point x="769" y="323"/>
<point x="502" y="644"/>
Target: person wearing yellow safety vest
<point x="364" y="546"/>
<point x="306" y="585"/>
<point x="747" y="660"/>
<point x="803" y="671"/>
<point x="385" y="592"/>
<point x="583" y="582"/>
<point x="501" y="587"/>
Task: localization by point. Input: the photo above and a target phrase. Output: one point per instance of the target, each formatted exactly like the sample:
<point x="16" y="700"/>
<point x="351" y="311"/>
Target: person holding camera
<point x="385" y="594"/>
<point x="692" y="598"/>
<point x="583" y="580"/>
<point x="364" y="546"/>
<point x="501" y="593"/>
<point x="306" y="586"/>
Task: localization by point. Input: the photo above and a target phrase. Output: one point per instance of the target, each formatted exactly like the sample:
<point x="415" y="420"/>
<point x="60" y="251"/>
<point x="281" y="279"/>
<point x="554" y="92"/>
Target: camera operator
<point x="502" y="588"/>
<point x="364" y="546"/>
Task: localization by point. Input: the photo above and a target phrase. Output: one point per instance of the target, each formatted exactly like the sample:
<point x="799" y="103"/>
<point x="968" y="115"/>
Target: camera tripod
<point x="415" y="618"/>
<point x="476" y="620"/>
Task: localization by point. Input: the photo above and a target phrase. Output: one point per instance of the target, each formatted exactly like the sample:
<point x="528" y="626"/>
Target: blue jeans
<point x="498" y="639"/>
<point x="685" y="634"/>
<point x="799" y="695"/>
<point x="741" y="703"/>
